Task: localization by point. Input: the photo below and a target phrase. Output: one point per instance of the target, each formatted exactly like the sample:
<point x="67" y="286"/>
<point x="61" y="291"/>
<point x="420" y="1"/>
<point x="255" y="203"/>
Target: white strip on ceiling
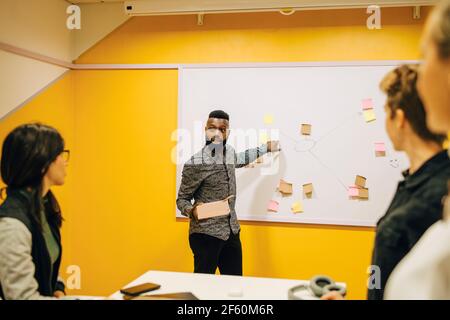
<point x="159" y="7"/>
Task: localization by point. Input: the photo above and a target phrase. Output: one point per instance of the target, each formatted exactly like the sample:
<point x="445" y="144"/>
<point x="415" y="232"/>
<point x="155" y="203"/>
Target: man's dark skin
<point x="218" y="130"/>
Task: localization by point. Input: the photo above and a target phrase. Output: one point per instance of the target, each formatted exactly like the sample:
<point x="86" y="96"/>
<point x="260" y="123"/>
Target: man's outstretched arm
<point x="250" y="155"/>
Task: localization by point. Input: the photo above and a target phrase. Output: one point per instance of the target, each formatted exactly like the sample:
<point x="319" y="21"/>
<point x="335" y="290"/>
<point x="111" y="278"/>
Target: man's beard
<point x="211" y="142"/>
<point x="216" y="148"/>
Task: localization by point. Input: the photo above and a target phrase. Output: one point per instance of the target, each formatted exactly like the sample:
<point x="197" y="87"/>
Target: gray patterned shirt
<point x="210" y="176"/>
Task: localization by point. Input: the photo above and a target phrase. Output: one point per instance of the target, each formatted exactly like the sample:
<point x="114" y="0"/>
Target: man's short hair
<point x="219" y="114"/>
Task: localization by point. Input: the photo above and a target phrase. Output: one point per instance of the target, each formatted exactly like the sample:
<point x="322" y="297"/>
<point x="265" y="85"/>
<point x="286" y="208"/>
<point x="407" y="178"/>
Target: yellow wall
<point x="125" y="181"/>
<point x="121" y="220"/>
<point x="53" y="106"/>
<point x="261" y="37"/>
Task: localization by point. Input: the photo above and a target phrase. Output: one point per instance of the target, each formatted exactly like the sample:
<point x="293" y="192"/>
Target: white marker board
<point x="341" y="144"/>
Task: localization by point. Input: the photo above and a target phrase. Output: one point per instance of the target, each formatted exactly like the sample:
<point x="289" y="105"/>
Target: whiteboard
<point x="327" y="96"/>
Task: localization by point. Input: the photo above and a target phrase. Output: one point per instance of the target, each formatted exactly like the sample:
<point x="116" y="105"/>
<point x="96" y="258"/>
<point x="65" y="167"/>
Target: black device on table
<point x="140" y="289"/>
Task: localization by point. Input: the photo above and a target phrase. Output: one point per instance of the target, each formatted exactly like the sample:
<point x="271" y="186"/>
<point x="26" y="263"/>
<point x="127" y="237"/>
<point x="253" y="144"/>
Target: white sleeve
<point x="16" y="264"/>
<point x="424" y="273"/>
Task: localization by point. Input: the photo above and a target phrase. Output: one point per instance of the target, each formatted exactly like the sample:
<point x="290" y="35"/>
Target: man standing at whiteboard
<point x="209" y="176"/>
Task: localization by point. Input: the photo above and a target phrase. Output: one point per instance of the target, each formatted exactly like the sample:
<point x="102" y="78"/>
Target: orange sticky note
<point x="360" y="181"/>
<point x="306" y="129"/>
<point x="308" y="189"/>
<point x="285" y="187"/>
<point x="363" y="193"/>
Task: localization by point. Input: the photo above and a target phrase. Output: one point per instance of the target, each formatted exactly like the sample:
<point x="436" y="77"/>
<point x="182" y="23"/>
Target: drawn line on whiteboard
<point x="338" y="126"/>
<point x="330" y="170"/>
<point x="301" y="146"/>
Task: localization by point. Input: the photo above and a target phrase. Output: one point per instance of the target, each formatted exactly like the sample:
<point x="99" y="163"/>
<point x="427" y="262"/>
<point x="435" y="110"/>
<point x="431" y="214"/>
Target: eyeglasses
<point x="66" y="155"/>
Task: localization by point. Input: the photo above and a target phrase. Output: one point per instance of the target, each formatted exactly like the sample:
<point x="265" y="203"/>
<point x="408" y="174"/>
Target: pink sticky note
<point x="353" y="191"/>
<point x="380" y="147"/>
<point x="367" y="104"/>
<point x="273" y="206"/>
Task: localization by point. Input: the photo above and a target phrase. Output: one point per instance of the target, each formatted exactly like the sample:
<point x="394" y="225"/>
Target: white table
<point x="218" y="287"/>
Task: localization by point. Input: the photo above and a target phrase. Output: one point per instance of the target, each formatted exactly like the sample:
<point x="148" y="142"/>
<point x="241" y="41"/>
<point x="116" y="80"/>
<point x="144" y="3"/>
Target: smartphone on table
<point x="140" y="289"/>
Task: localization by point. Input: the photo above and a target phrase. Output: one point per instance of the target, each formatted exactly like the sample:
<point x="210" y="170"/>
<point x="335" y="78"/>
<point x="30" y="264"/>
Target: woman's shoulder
<point x="14" y="207"/>
<point x="12" y="223"/>
<point x="12" y="229"/>
<point x="437" y="183"/>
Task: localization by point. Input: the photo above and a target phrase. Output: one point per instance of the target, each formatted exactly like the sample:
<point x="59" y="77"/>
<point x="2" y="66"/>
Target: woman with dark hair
<point x="33" y="160"/>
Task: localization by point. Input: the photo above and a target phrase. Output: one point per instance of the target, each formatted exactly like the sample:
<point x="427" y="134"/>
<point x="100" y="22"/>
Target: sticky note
<point x="369" y="115"/>
<point x="380" y="146"/>
<point x="308" y="189"/>
<point x="367" y="104"/>
<point x="273" y="206"/>
<point x="363" y="193"/>
<point x="263" y="137"/>
<point x="285" y="188"/>
<point x="268" y="119"/>
<point x="306" y="129"/>
<point x="360" y="181"/>
<point x="380" y="149"/>
<point x="353" y="191"/>
<point x="297" y="207"/>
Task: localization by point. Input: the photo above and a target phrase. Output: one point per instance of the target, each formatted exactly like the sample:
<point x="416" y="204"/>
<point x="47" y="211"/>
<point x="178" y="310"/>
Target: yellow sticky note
<point x="268" y="119"/>
<point x="369" y="115"/>
<point x="263" y="137"/>
<point x="297" y="207"/>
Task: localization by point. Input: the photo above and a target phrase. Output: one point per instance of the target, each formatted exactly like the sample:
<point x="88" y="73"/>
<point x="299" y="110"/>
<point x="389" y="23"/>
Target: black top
<point x="17" y="205"/>
<point x="416" y="206"/>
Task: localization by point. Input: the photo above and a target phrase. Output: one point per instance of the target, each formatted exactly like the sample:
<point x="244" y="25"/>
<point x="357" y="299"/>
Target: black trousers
<point x="210" y="253"/>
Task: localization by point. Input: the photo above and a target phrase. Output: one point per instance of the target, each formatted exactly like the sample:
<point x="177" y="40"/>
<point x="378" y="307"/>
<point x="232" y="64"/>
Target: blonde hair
<point x="400" y="87"/>
<point x="439" y="28"/>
